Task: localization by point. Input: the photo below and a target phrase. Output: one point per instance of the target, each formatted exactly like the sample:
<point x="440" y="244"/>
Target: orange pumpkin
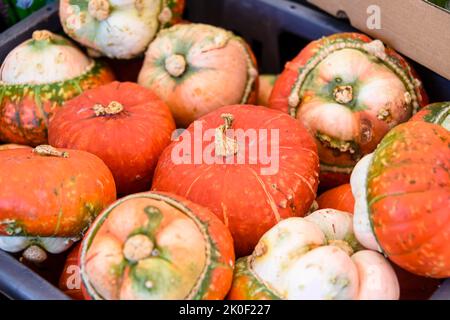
<point x="402" y="195"/>
<point x="339" y="198"/>
<point x="124" y="124"/>
<point x="157" y="246"/>
<point x="197" y="68"/>
<point x="70" y="280"/>
<point x="49" y="197"/>
<point x="438" y="113"/>
<point x="36" y="78"/>
<point x="349" y="91"/>
<point x="251" y="166"/>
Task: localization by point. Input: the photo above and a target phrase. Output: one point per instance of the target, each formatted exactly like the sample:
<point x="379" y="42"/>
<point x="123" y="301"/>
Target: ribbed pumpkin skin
<point x="248" y="202"/>
<point x="437" y="113"/>
<point x="49" y="196"/>
<point x="363" y="129"/>
<point x="70" y="276"/>
<point x="25" y="110"/>
<point x="198" y="68"/>
<point x="116" y="225"/>
<point x="408" y="193"/>
<point x="129" y="142"/>
<point x="339" y="198"/>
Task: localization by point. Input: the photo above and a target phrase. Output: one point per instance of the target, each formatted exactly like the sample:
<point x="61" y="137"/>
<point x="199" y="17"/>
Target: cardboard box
<point x="418" y="29"/>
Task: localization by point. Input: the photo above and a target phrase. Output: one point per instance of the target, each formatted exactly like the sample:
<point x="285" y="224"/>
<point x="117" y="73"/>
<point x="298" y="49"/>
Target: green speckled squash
<point x="119" y="29"/>
<point x="197" y="68"/>
<point x="156" y="246"/>
<point x="437" y="113"/>
<point x="316" y="257"/>
<point x="402" y="198"/>
<point x="36" y="78"/>
<point x="349" y="91"/>
<point x="49" y="197"/>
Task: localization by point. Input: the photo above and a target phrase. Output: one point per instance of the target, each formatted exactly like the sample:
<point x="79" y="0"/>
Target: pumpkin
<point x="48" y="198"/>
<point x="157" y="246"/>
<point x="70" y="280"/>
<point x="117" y="29"/>
<point x="349" y="91"/>
<point x="311" y="258"/>
<point x="124" y="124"/>
<point x="437" y="113"/>
<point x="339" y="198"/>
<point x="402" y="195"/>
<point x="266" y="83"/>
<point x="251" y="166"/>
<point x="197" y="68"/>
<point x="10" y="146"/>
<point x="36" y="78"/>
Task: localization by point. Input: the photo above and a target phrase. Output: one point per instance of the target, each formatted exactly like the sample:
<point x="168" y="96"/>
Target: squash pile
<point x="328" y="181"/>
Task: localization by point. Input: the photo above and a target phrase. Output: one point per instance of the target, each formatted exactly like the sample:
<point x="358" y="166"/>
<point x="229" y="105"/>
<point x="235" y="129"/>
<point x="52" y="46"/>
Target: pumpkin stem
<point x="343" y="94"/>
<point x="225" y="146"/>
<point x="35" y="254"/>
<point x="165" y="16"/>
<point x="47" y="150"/>
<point x="175" y="65"/>
<point x="341" y="244"/>
<point x="99" y="9"/>
<point x="42" y="35"/>
<point x="138" y="247"/>
<point x="113" y="107"/>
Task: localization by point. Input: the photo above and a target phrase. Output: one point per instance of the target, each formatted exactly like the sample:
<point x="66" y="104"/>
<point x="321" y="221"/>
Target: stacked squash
<point x="162" y="213"/>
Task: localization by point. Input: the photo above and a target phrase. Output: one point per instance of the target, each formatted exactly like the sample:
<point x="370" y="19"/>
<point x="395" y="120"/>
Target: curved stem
<point x="225" y="146"/>
<point x="47" y="150"/>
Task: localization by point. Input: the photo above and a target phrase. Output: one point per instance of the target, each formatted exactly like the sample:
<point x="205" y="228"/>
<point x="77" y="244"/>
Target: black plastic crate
<point x="276" y="29"/>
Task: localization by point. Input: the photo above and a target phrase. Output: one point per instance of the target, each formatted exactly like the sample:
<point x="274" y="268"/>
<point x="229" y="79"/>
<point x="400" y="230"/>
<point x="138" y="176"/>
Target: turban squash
<point x="120" y="29"/>
<point x="437" y="113"/>
<point x="402" y="194"/>
<point x="36" y="78"/>
<point x="156" y="246"/>
<point x="316" y="257"/>
<point x="49" y="197"/>
<point x="197" y="68"/>
<point x="349" y="91"/>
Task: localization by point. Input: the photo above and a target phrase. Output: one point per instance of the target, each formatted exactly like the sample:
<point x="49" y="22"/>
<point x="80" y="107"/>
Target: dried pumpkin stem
<point x="99" y="9"/>
<point x="47" y="150"/>
<point x="138" y="247"/>
<point x="225" y="146"/>
<point x="343" y="94"/>
<point x="42" y="35"/>
<point x="113" y="108"/>
<point x="34" y="254"/>
<point x="175" y="65"/>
